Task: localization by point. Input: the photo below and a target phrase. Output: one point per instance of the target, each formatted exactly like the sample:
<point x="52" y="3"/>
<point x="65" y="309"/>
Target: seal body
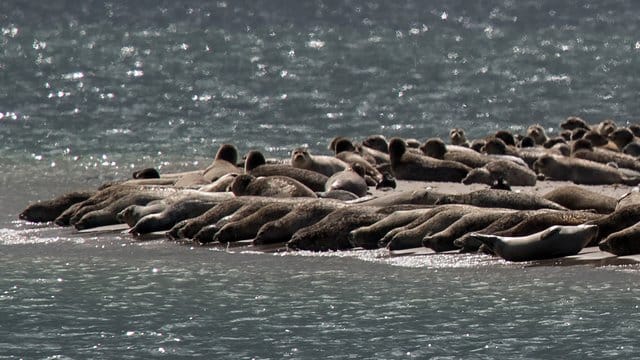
<point x="271" y="186"/>
<point x="623" y="242"/>
<point x="326" y="165"/>
<point x="556" y="241"/>
<point x="406" y="165"/>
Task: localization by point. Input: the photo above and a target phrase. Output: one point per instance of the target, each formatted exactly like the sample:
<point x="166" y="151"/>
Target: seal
<point x="206" y="233"/>
<point x="146" y="173"/>
<point x="574" y="122"/>
<point x="556" y="241"/>
<point x="342" y="195"/>
<point x="473" y="221"/>
<point x="412" y="235"/>
<point x="541" y="220"/>
<point x="406" y="165"/>
<point x="622" y="137"/>
<point x="332" y="232"/>
<point x="108" y="214"/>
<point x="623" y="242"/>
<point x="509" y="171"/>
<point x="606" y="127"/>
<point x="132" y="213"/>
<point x="583" y="149"/>
<point x="620" y="219"/>
<point x="255" y="164"/>
<point x="192" y="180"/>
<point x="224" y="163"/>
<point x="581" y="171"/>
<point x="376" y="142"/>
<point x="247" y="227"/>
<point x="500" y="199"/>
<point x="346" y="151"/>
<point x="537" y="133"/>
<point x="49" y="210"/>
<point x="187" y="229"/>
<point x="579" y="198"/>
<point x="271" y="186"/>
<point x="220" y="185"/>
<point x="437" y="149"/>
<point x="630" y="198"/>
<point x="350" y="179"/>
<point x="326" y="165"/>
<point x="416" y="197"/>
<point x="303" y="215"/>
<point x="368" y="236"/>
<point x="458" y="137"/>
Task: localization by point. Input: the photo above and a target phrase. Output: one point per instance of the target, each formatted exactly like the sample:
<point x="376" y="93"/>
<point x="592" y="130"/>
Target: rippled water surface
<point x="91" y="91"/>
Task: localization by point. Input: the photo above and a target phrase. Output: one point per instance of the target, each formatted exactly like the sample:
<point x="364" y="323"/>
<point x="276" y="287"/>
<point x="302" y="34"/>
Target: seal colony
<point x="522" y="197"/>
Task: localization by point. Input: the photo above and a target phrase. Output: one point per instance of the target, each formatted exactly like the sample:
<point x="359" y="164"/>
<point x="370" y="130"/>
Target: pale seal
<point x="556" y="241"/>
<point x="326" y="165"/>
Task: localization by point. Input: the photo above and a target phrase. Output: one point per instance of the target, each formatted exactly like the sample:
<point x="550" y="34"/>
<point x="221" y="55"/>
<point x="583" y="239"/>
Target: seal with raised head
<point x="583" y="149"/>
<point x="255" y="164"/>
<point x="556" y="241"/>
<point x="537" y="133"/>
<point x="224" y="163"/>
<point x="271" y="186"/>
<point x="327" y="165"/>
<point x="458" y="137"/>
<point x="346" y="151"/>
<point x="437" y="149"/>
<point x="406" y="165"/>
<point x="49" y="210"/>
<point x="623" y="242"/>
<point x="574" y="122"/>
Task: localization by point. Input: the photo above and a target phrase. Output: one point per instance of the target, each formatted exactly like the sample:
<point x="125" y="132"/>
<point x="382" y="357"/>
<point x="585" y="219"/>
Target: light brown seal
<point x="406" y="165"/>
<point x="623" y="242"/>
<point x="580" y="171"/>
<point x="224" y="163"/>
<point x="579" y="198"/>
<point x="255" y="164"/>
<point x="509" y="171"/>
<point x="500" y="199"/>
<point x="326" y="165"/>
<point x="350" y="179"/>
<point x="537" y="133"/>
<point x="271" y="186"/>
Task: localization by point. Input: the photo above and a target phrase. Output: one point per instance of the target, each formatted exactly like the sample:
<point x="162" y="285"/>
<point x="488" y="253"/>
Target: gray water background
<point x="91" y="91"/>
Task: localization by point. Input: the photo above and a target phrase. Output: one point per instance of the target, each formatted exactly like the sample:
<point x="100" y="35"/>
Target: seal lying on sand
<point x="556" y="241"/>
<point x="350" y="179"/>
<point x="509" y="171"/>
<point x="406" y="165"/>
<point x="326" y="165"/>
<point x="49" y="210"/>
<point x="581" y="171"/>
<point x="579" y="198"/>
<point x="623" y="242"/>
<point x="271" y="186"/>
<point x="255" y="164"/>
<point x="500" y="199"/>
<point x="224" y="163"/>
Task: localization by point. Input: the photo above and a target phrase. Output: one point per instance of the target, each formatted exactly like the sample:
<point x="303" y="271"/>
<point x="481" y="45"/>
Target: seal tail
<point x="488" y="240"/>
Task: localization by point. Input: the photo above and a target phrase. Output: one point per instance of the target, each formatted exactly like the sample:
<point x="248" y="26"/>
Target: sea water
<point x="91" y="91"/>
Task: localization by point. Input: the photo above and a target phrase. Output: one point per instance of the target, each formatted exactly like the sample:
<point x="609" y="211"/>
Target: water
<point x="89" y="92"/>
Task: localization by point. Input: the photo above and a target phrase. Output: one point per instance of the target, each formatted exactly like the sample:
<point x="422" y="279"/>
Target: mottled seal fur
<point x="620" y="219"/>
<point x="271" y="186"/>
<point x="332" y="232"/>
<point x="474" y="221"/>
<point x="500" y="199"/>
<point x="247" y="227"/>
<point x="189" y="227"/>
<point x="556" y="241"/>
<point x="416" y="197"/>
<point x="326" y="165"/>
<point x="579" y="198"/>
<point x="346" y="151"/>
<point x="108" y="214"/>
<point x="580" y="171"/>
<point x="406" y="165"/>
<point x="509" y="171"/>
<point x="623" y="242"/>
<point x="368" y="237"/>
<point x="49" y="210"/>
<point x="255" y="164"/>
<point x="437" y="149"/>
<point x="583" y="149"/>
<point x="303" y="215"/>
<point x="224" y="163"/>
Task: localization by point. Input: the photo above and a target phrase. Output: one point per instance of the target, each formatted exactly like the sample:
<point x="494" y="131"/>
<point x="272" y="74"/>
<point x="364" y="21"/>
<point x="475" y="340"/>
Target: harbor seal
<point x="187" y="229"/>
<point x="326" y="165"/>
<point x="581" y="171"/>
<point x="620" y="219"/>
<point x="579" y="198"/>
<point x="332" y="232"/>
<point x="623" y="242"/>
<point x="108" y="214"/>
<point x="406" y="165"/>
<point x="500" y="199"/>
<point x="255" y="164"/>
<point x="247" y="227"/>
<point x="574" y="122"/>
<point x="346" y="151"/>
<point x="350" y="179"/>
<point x="224" y="163"/>
<point x="444" y="240"/>
<point x="509" y="171"/>
<point x="49" y="210"/>
<point x="437" y="149"/>
<point x="583" y="149"/>
<point x="458" y="137"/>
<point x="303" y="215"/>
<point x="556" y="241"/>
<point x="537" y="133"/>
<point x="368" y="236"/>
<point x="146" y="173"/>
<point x="271" y="186"/>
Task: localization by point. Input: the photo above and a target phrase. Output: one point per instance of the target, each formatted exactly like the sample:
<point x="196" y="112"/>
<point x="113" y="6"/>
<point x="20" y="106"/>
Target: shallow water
<point x="91" y="92"/>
